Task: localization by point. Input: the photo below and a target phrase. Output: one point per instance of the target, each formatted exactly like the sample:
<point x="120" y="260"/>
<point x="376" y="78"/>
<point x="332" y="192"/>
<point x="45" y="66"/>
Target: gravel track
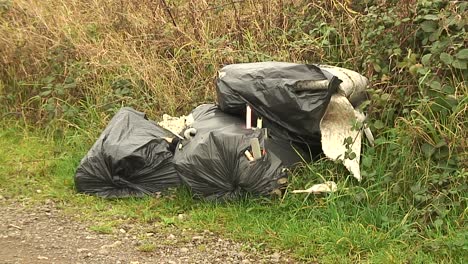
<point x="44" y="234"/>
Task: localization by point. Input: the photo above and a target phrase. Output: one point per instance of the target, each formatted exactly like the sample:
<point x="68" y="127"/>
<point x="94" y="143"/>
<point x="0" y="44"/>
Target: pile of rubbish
<point x="269" y="118"/>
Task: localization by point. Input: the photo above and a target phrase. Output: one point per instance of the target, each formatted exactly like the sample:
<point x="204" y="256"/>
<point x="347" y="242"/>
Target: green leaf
<point x="431" y="17"/>
<point x="348" y="141"/>
<point x="435" y="35"/>
<point x="416" y="188"/>
<point x="45" y="93"/>
<point x="168" y="220"/>
<point x="70" y="85"/>
<point x="429" y="26"/>
<point x="385" y="96"/>
<point x="378" y="124"/>
<point x="438" y="223"/>
<point x="435" y="85"/>
<point x="428" y="149"/>
<point x="442" y="153"/>
<point x="462" y="54"/>
<point x="446" y="58"/>
<point x="448" y="89"/>
<point x="425" y="59"/>
<point x="423" y="71"/>
<point x="460" y="64"/>
<point x="377" y="67"/>
<point x="440" y="144"/>
<point x="367" y="161"/>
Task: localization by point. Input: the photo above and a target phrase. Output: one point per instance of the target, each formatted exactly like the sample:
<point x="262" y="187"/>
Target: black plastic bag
<point x="291" y="98"/>
<point x="130" y="158"/>
<point x="213" y="162"/>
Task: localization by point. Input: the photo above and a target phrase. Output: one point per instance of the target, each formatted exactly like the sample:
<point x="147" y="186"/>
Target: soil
<point x="45" y="234"/>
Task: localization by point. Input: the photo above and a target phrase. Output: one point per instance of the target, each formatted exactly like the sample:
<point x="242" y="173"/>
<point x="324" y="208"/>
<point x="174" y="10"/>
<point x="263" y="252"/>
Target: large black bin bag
<point x="130" y="158"/>
<point x="213" y="162"/>
<point x="291" y="98"/>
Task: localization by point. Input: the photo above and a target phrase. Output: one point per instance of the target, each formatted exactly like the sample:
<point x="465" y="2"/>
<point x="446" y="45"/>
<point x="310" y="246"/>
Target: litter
<point x="249" y="155"/>
<point x="218" y="162"/>
<point x="255" y="146"/>
<point x="327" y="187"/>
<point x="291" y="98"/>
<point x="338" y="122"/>
<point x="314" y="105"/>
<point x="130" y="158"/>
<point x="270" y="116"/>
<point x="175" y="124"/>
<point x="248" y="117"/>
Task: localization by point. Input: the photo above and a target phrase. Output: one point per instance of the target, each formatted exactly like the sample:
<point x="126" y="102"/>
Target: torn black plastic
<point x="291" y="98"/>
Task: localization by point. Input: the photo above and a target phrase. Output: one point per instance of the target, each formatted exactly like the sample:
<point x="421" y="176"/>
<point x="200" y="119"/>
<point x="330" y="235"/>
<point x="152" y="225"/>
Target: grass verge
<point x="359" y="223"/>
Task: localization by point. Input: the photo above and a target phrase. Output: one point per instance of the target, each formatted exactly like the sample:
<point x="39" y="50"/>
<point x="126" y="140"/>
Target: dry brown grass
<point x="171" y="63"/>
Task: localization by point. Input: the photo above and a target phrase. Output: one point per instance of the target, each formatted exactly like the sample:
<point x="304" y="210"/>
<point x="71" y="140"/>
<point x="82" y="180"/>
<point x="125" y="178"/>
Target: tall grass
<point x="59" y="52"/>
<point x="67" y="66"/>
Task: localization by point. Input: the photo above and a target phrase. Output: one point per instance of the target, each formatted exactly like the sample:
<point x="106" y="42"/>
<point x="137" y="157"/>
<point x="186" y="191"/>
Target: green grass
<point x="356" y="224"/>
<point x="66" y="68"/>
<point x="147" y="247"/>
<point x="102" y="229"/>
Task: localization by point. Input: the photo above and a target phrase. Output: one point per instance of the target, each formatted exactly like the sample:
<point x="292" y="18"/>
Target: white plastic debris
<point x="340" y="118"/>
<point x="336" y="126"/>
<point x="190" y="133"/>
<point x="327" y="187"/>
<point x="176" y="124"/>
<point x="353" y="84"/>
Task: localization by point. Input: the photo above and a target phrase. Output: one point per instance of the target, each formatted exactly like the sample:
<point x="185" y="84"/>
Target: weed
<point x="102" y="229"/>
<point x="146" y="247"/>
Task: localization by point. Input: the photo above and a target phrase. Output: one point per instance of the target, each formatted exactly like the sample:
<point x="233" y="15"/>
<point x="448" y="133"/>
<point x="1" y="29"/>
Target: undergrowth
<point x="67" y="66"/>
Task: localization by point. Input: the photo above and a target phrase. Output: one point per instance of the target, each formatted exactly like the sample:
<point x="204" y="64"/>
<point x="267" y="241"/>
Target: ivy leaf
<point x="446" y="58"/>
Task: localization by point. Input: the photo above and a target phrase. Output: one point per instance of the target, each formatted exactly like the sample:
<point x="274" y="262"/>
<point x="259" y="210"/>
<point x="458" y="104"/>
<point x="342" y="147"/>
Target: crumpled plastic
<point x="291" y="98"/>
<point x="213" y="161"/>
<point x="130" y="158"/>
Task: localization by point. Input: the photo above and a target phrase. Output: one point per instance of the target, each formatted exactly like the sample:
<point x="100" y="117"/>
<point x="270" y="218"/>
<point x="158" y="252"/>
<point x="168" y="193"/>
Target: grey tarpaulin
<point x="213" y="162"/>
<point x="130" y="158"/>
<point x="291" y="98"/>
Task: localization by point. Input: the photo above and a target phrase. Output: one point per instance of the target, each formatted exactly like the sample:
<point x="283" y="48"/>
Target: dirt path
<point x="43" y="234"/>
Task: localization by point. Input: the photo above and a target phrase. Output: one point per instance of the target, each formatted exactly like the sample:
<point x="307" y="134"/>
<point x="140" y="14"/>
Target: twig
<point x="238" y="23"/>
<point x="169" y="12"/>
<point x="9" y="113"/>
<point x="15" y="226"/>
